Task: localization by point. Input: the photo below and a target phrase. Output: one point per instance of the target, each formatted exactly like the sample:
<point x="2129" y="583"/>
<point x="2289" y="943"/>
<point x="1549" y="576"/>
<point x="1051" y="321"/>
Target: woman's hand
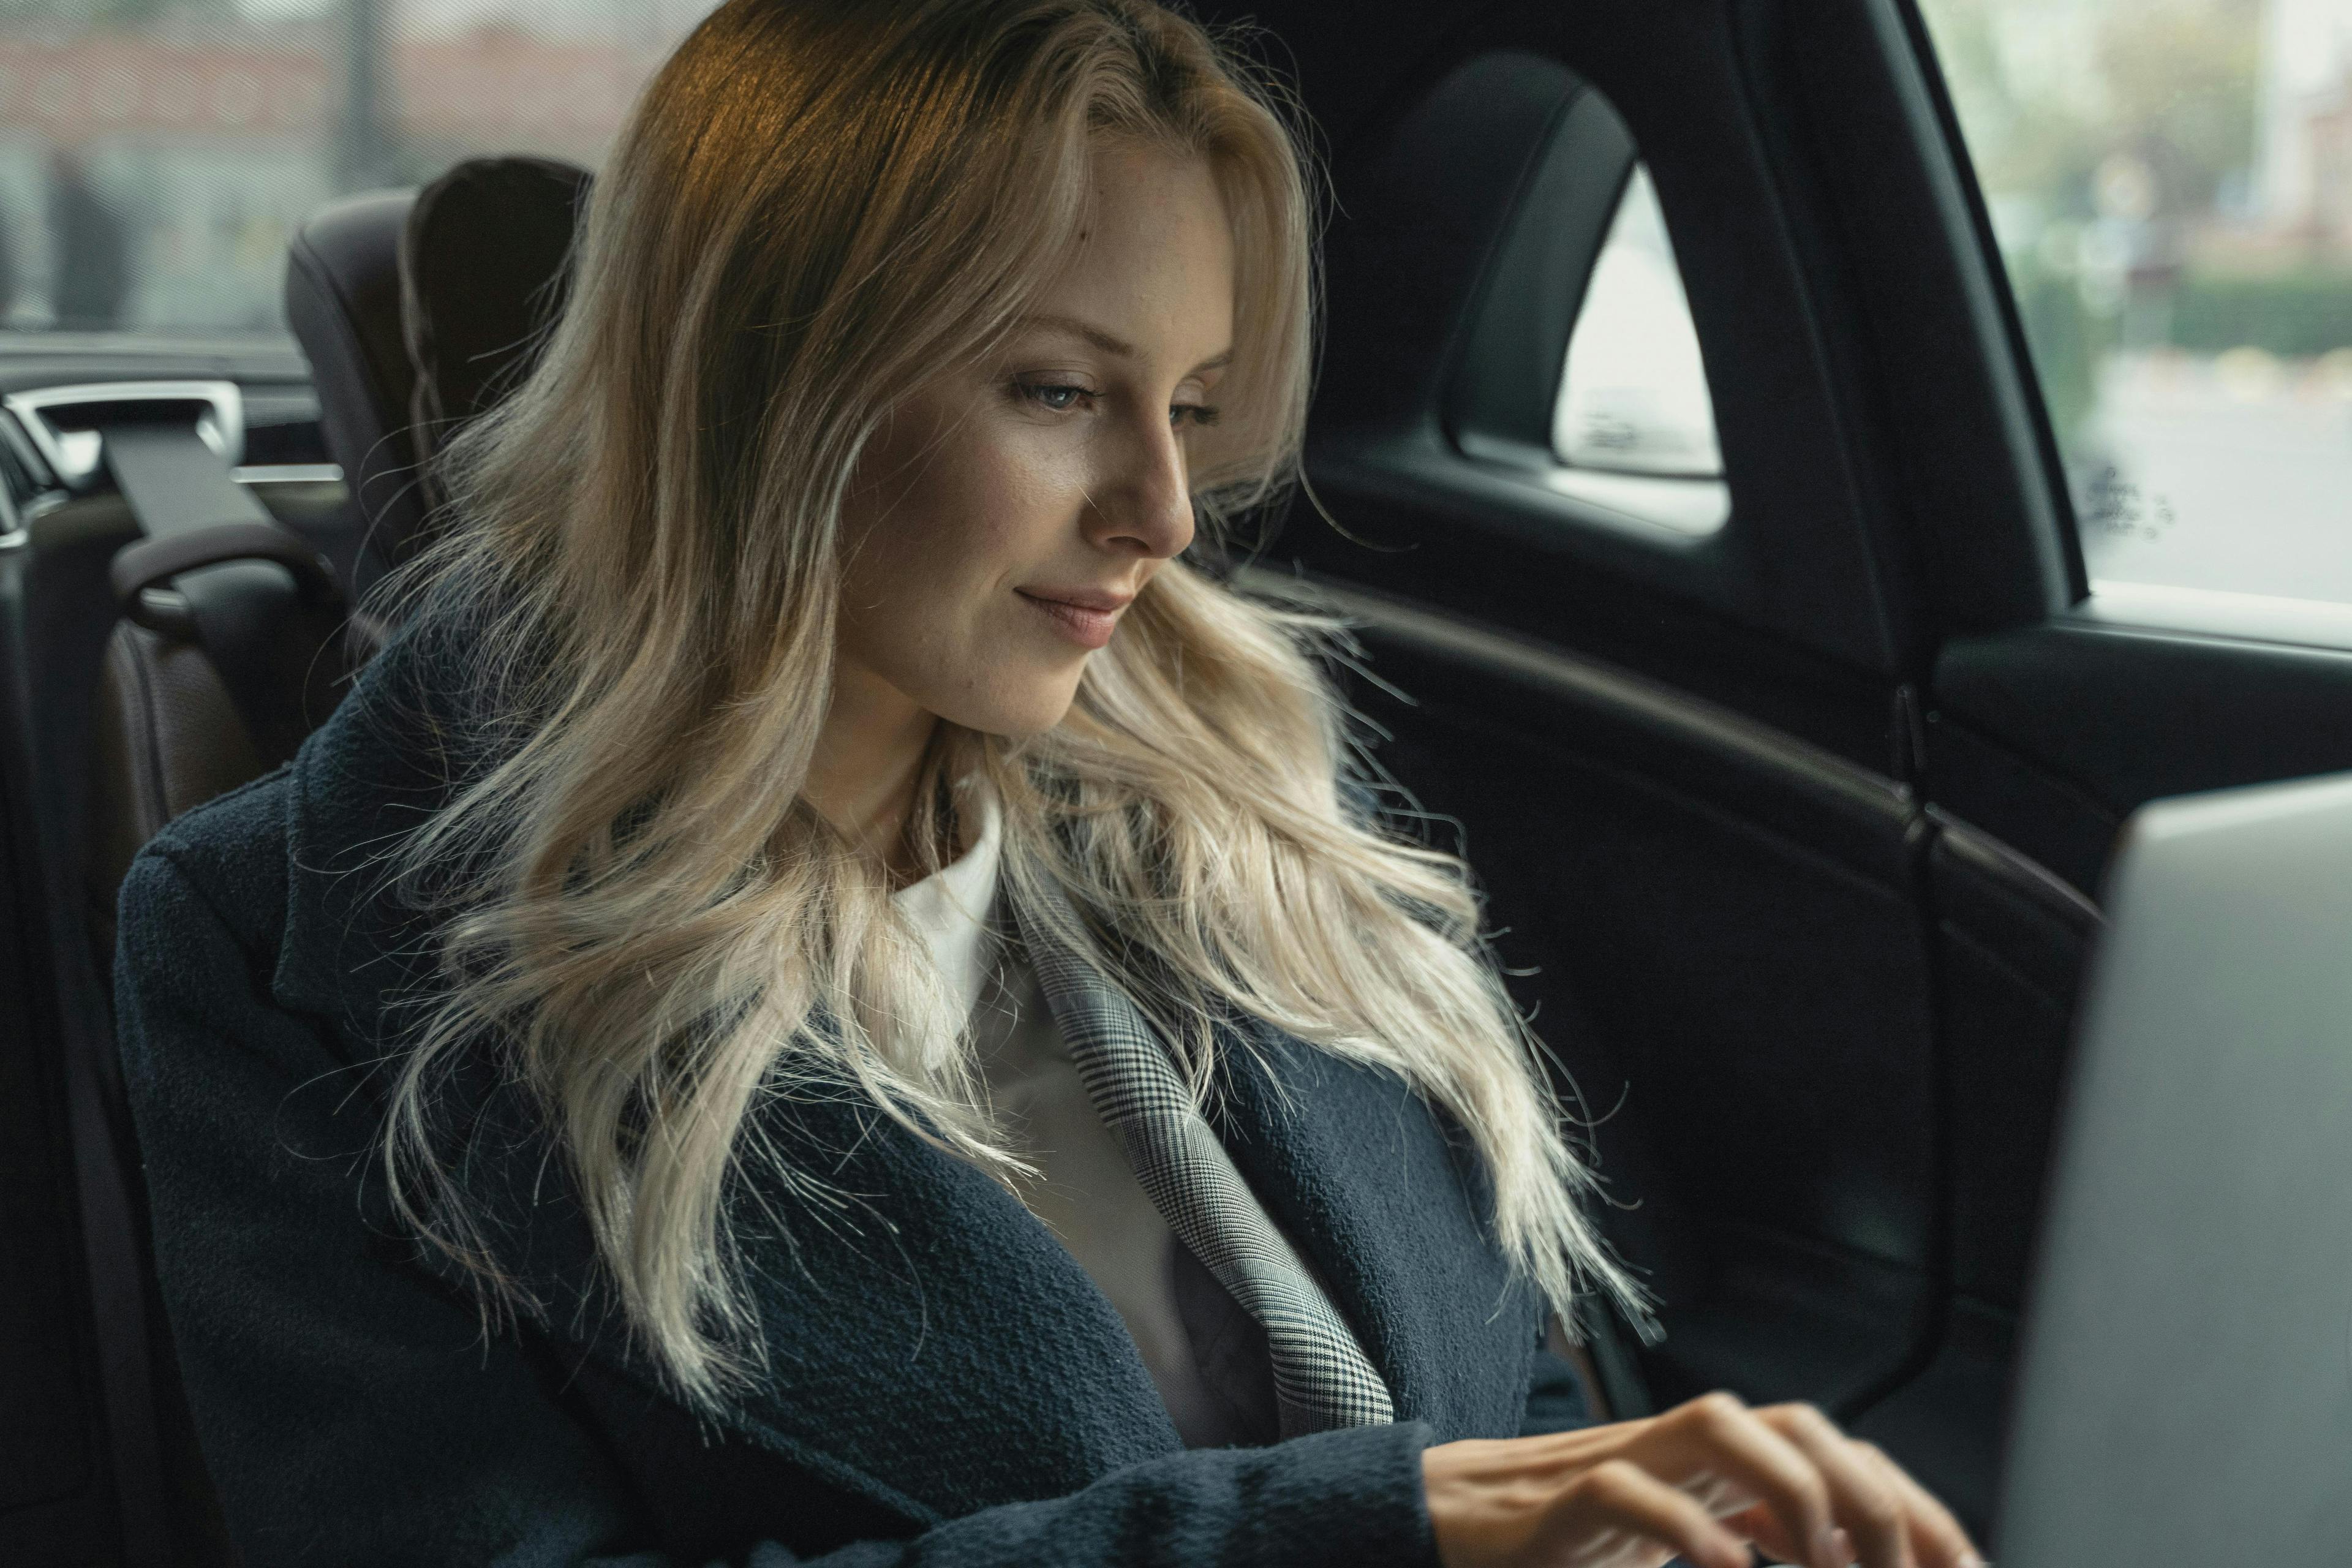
<point x="1704" y="1480"/>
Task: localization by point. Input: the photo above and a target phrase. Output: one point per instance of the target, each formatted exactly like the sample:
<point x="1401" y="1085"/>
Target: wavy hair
<point x="815" y="206"/>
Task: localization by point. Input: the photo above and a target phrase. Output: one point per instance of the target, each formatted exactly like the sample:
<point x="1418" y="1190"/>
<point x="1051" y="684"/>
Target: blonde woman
<point x="828" y="998"/>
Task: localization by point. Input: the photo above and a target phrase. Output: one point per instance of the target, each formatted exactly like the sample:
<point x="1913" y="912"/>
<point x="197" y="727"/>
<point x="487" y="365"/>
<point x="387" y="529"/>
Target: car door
<point x="2133" y="245"/>
<point x="1654" y="666"/>
<point x="1789" y="742"/>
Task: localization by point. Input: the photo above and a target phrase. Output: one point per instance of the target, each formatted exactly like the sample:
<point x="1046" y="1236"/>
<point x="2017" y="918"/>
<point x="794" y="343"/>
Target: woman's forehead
<point x="1151" y="272"/>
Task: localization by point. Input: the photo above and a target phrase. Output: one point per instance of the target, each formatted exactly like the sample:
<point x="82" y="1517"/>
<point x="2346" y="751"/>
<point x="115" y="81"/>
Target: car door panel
<point x="51" y="1463"/>
<point x="1712" y="866"/>
<point x="1838" y="1037"/>
<point x="1724" y="921"/>
<point x="2011" y="938"/>
<point x="2109" y="717"/>
<point x="1821" y="1027"/>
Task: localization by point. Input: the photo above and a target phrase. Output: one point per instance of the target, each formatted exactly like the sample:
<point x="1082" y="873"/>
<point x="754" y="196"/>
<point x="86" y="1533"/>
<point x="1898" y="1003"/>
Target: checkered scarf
<point x="1322" y="1378"/>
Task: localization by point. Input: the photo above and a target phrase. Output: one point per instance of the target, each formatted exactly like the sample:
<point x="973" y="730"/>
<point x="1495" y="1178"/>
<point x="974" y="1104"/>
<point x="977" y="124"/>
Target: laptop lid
<point x="2185" y="1390"/>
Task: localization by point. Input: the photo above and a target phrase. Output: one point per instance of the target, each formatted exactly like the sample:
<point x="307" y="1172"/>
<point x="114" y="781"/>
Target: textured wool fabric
<point x="942" y="1384"/>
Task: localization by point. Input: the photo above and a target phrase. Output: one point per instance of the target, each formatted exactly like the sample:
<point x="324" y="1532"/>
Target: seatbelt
<point x="263" y="603"/>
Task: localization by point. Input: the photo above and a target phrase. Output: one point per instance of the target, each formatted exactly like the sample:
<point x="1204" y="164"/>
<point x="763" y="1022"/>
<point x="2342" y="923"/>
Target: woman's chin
<point x="1014" y="707"/>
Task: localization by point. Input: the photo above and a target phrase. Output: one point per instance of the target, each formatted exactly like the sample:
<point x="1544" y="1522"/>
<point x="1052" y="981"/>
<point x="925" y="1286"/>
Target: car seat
<point x="418" y="311"/>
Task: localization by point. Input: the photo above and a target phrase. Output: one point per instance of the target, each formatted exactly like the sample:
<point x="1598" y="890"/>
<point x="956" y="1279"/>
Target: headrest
<point x="343" y="299"/>
<point x="485" y="272"/>
<point x="418" y="309"/>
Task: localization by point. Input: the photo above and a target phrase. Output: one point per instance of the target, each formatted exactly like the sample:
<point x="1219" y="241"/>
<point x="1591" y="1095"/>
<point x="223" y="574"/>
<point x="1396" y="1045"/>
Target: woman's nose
<point x="1149" y="498"/>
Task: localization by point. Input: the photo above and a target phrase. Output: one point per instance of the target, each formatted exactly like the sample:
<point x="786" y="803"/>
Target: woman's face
<point x="1003" y="516"/>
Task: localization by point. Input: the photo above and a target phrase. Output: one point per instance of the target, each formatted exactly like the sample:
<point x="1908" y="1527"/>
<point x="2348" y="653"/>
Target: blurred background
<point x="155" y="154"/>
<point x="2171" y="183"/>
<point x="2170" y="180"/>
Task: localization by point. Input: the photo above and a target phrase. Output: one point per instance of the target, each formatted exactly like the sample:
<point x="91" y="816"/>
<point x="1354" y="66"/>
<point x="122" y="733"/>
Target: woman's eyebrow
<point x="1107" y="342"/>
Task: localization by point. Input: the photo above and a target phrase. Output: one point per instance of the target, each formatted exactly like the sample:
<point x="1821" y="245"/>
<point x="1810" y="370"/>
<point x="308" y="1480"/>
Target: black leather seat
<point x="167" y="734"/>
<point x="485" y="272"/>
<point x="343" y="299"/>
<point x="417" y="311"/>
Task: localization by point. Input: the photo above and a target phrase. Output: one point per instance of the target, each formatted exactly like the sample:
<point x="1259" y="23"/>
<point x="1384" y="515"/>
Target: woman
<point x="826" y="995"/>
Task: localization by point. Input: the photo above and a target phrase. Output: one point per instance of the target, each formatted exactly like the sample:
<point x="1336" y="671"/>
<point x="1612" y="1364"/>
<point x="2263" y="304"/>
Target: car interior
<point x="1789" y="775"/>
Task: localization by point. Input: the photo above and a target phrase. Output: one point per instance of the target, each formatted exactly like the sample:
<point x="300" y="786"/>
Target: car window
<point x="1581" y="374"/>
<point x="2170" y="185"/>
<point x="155" y="156"/>
<point x="1633" y="395"/>
<point x="1633" y="426"/>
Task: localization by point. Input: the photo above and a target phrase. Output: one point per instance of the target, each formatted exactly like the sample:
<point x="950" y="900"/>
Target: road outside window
<point x="156" y="154"/>
<point x="2171" y="183"/>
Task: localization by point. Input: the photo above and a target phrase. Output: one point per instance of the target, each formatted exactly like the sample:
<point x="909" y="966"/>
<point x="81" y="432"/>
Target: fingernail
<point x="1826" y="1549"/>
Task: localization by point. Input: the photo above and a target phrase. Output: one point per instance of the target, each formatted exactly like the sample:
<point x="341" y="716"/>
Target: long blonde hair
<point x="816" y="205"/>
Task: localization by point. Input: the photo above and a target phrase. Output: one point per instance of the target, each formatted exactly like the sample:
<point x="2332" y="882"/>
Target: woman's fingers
<point x="1716" y="1438"/>
<point x="1701" y="1480"/>
<point x="1935" y="1536"/>
<point x="1621" y="1498"/>
<point x="1874" y="1497"/>
<point x="1865" y="1500"/>
<point x="1773" y="1540"/>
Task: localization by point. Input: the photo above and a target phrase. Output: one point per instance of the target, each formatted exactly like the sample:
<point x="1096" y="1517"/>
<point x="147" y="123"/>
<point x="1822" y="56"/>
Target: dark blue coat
<point x="946" y="1385"/>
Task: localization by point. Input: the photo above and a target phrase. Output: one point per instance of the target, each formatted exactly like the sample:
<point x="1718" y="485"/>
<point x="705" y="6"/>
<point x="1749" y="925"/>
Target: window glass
<point x="1633" y="397"/>
<point x="2171" y="183"/>
<point x="1633" y="406"/>
<point x="156" y="154"/>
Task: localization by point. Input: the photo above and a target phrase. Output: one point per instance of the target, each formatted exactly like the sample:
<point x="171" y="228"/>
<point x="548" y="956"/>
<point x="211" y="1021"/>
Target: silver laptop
<point x="2185" y="1393"/>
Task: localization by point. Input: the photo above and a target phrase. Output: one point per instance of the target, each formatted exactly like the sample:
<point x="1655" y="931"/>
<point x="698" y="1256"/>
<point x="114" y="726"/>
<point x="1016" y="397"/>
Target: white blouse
<point x="1088" y="1198"/>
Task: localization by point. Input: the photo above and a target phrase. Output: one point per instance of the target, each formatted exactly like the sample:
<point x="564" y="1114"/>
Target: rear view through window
<point x="2171" y="183"/>
<point x="155" y="154"/>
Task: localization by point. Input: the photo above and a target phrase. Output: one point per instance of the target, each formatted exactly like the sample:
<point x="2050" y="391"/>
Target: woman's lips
<point x="1088" y="628"/>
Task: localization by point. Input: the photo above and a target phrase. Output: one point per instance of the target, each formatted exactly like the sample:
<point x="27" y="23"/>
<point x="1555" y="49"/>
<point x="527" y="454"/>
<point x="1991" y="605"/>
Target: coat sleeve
<point x="352" y="1410"/>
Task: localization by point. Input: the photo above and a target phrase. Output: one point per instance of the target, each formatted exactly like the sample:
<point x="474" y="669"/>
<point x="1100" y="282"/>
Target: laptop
<point x="2184" y="1395"/>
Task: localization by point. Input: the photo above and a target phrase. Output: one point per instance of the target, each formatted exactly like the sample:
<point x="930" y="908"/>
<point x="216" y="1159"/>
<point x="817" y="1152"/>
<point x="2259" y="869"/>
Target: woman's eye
<point x="1062" y="397"/>
<point x="1055" y="396"/>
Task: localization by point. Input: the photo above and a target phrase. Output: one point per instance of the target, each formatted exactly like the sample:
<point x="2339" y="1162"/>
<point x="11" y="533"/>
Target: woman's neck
<point x="869" y="760"/>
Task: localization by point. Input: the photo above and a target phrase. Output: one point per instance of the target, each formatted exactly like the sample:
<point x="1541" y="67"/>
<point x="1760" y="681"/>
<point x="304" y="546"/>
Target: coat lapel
<point x="1389" y="1211"/>
<point x="1357" y="1172"/>
<point x="930" y="1345"/>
